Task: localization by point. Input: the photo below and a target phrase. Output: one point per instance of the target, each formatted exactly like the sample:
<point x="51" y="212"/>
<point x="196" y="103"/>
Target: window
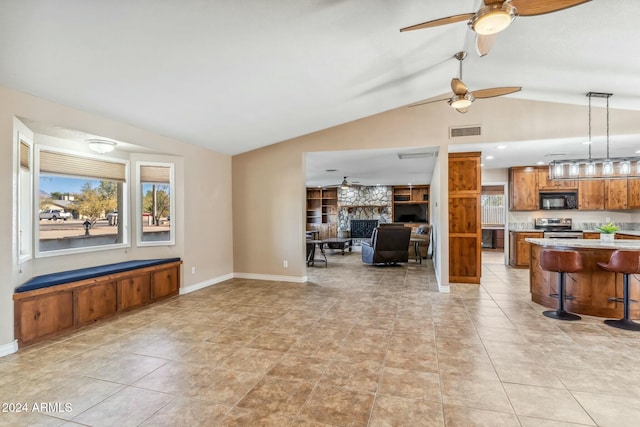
<point x="155" y="204"/>
<point x="493" y="205"/>
<point x="25" y="197"/>
<point x="78" y="195"/>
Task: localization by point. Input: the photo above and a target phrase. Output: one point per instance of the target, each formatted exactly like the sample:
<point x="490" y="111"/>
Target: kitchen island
<point x="592" y="286"/>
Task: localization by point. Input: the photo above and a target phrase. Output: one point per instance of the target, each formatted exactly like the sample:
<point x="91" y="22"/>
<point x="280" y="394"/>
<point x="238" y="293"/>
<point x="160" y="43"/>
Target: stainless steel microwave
<point x="565" y="200"/>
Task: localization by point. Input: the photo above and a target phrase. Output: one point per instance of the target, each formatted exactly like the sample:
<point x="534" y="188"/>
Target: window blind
<point x="67" y="164"/>
<point x="155" y="174"/>
<point x="25" y="161"/>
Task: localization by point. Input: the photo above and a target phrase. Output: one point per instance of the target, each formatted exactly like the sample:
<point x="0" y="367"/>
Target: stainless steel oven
<point x="557" y="228"/>
<point x="562" y="234"/>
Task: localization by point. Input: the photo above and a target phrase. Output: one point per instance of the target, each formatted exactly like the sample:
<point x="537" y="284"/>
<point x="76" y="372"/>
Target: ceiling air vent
<point x="464" y="131"/>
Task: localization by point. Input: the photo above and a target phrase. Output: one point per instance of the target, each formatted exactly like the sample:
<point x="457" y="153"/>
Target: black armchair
<point x="389" y="245"/>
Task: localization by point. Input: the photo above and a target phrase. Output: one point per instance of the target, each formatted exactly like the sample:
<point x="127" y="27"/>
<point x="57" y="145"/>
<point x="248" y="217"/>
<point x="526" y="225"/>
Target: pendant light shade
<point x="590" y="168"/>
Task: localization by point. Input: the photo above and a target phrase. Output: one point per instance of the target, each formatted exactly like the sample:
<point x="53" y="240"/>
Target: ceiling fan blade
<point x="429" y="102"/>
<point x="438" y="22"/>
<point x="495" y="91"/>
<point x="458" y="87"/>
<point x="540" y="7"/>
<point x="484" y="43"/>
<point x="462" y="110"/>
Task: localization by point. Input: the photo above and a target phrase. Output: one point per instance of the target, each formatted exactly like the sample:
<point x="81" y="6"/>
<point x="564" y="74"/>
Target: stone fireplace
<point x="370" y="203"/>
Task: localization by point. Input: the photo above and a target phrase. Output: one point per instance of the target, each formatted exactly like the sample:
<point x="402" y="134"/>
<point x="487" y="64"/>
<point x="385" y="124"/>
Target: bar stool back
<point x="626" y="263"/>
<point x="561" y="262"/>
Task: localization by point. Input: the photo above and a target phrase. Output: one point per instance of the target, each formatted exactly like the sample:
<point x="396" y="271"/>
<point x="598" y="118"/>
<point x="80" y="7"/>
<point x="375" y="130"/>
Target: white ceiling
<point x="237" y="75"/>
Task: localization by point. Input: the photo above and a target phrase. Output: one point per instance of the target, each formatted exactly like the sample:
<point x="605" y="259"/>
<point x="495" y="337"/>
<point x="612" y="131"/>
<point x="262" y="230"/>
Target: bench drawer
<point x="133" y="292"/>
<point x="164" y="283"/>
<point x="44" y="316"/>
<point x="94" y="302"/>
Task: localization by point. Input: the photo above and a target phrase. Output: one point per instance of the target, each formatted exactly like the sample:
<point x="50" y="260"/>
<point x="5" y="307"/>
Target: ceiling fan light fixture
<point x="493" y="18"/>
<point x="101" y="146"/>
<point x="461" y="101"/>
<point x="345" y="184"/>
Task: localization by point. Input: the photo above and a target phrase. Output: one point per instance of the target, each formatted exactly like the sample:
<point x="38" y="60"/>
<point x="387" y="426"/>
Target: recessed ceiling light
<point x="637" y="151"/>
<point x="481" y="165"/>
<point x="501" y="147"/>
<point x="540" y="163"/>
<point x="489" y="157"/>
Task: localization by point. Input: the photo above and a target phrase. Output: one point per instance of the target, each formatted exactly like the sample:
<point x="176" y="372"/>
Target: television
<point x="410" y="212"/>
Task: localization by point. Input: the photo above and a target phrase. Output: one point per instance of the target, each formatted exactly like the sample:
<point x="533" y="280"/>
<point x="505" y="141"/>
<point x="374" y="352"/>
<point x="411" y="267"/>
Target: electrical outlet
<point x="193" y="270"/>
<point x="607" y="219"/>
<point x="285" y="263"/>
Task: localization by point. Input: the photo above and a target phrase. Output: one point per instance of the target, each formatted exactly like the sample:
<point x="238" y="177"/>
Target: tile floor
<point x="355" y="346"/>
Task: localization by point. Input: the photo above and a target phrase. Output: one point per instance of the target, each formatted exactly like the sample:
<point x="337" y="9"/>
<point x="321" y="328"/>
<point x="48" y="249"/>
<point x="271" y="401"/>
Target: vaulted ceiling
<point x="237" y="75"/>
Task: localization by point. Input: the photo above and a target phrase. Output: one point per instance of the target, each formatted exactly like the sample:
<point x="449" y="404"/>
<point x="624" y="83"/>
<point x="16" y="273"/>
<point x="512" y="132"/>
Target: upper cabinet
<point x="526" y="183"/>
<point x="546" y="184"/>
<point x="633" y="193"/>
<point x="523" y="189"/>
<point x="616" y="196"/>
<point x="591" y="194"/>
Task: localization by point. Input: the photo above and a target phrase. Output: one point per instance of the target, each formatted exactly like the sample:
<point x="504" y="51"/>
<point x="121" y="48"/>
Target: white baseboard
<point x="9" y="348"/>
<point x="270" y="277"/>
<point x="445" y="289"/>
<point x="204" y="284"/>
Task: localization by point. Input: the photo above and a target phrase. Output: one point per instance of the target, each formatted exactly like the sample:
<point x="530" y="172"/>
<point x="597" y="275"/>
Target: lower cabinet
<point x="519" y="249"/>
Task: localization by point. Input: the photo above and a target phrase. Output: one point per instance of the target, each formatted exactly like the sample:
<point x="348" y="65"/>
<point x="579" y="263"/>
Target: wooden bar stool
<point x="626" y="263"/>
<point x="561" y="262"/>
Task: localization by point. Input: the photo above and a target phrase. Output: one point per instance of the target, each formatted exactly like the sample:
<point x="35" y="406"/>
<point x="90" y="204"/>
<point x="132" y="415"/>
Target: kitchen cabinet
<point x="519" y="249"/>
<point x="546" y="184"/>
<point x="633" y="193"/>
<point x="623" y="236"/>
<point x="616" y="194"/>
<point x="523" y="189"/>
<point x="591" y="235"/>
<point x="591" y="194"/>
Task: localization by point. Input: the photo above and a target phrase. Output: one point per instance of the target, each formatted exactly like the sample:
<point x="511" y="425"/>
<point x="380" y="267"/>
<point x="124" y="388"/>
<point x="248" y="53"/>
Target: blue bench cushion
<point x="53" y="279"/>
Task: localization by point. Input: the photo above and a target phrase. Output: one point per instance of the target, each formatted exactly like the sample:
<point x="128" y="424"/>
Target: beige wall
<point x="203" y="198"/>
<point x="268" y="183"/>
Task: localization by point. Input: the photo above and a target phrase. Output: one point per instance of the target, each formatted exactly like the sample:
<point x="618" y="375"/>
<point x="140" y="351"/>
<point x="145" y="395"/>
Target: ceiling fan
<point x="346" y="184"/>
<point x="496" y="15"/>
<point x="462" y="97"/>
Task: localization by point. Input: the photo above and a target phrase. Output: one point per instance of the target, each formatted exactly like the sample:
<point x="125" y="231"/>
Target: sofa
<point x="423" y="233"/>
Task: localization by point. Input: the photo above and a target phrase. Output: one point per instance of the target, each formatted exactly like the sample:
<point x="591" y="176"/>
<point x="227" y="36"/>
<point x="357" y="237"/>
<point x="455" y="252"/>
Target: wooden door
<point x="133" y="292"/>
<point x="544" y="183"/>
<point x="616" y="194"/>
<point x="94" y="302"/>
<point x="633" y="193"/>
<point x="523" y="189"/>
<point x="165" y="283"/>
<point x="591" y="194"/>
<point x="43" y="316"/>
<point x="465" y="231"/>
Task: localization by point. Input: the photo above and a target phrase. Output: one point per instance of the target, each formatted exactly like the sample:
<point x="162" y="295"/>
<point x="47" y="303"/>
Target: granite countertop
<point x="586" y="243"/>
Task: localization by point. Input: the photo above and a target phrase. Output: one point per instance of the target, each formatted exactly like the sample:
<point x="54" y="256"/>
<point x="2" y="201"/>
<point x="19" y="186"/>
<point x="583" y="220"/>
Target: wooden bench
<point x="52" y="304"/>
